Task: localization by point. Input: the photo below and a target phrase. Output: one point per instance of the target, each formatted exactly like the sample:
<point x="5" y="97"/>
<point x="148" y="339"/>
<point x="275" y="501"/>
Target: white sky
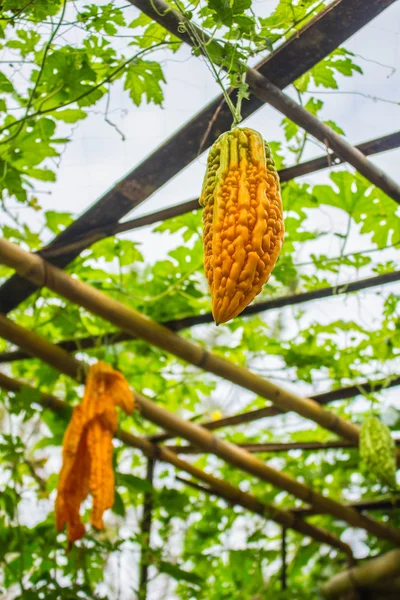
<point x="97" y="157"/>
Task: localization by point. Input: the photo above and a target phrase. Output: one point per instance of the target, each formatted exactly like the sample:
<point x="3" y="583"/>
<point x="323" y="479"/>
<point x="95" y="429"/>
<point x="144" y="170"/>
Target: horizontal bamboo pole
<point x="364" y="387"/>
<point x="223" y="489"/>
<point x="209" y="443"/>
<point x="268" y="92"/>
<point x="95" y="341"/>
<point x="277" y="446"/>
<point x="364" y="577"/>
<point x="38" y="271"/>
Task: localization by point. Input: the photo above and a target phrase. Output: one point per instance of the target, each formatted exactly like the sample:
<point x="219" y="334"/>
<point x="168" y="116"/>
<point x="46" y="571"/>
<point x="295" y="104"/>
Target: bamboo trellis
<point x="37" y="270"/>
<point x="34" y="268"/>
<point x="224" y="489"/>
<point x="340" y="20"/>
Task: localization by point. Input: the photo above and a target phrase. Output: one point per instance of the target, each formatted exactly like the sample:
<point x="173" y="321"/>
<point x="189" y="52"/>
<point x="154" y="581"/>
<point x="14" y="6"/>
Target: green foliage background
<point x="200" y="548"/>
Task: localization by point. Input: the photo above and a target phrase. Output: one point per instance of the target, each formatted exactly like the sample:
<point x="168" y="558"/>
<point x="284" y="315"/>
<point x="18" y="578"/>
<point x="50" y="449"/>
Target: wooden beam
<point x="222" y="488"/>
<point x="34" y="268"/>
<point x="57" y="250"/>
<point x="277" y="446"/>
<point x="270" y="93"/>
<point x="322" y="34"/>
<point x="382" y="144"/>
<point x="361" y="505"/>
<point x="267" y="91"/>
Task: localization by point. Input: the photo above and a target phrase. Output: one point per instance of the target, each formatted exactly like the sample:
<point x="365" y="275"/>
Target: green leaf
<point x="57" y="221"/>
<point x="6" y="87"/>
<point x="290" y="128"/>
<point x="178" y="573"/>
<point x="69" y="115"/>
<point x="118" y="507"/>
<point x="133" y="483"/>
<point x="334" y="126"/>
<point x="143" y="80"/>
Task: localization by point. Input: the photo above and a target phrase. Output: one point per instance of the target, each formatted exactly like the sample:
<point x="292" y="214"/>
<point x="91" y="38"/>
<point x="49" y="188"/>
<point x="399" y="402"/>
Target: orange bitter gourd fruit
<point x="243" y="225"/>
<point x="87" y="450"/>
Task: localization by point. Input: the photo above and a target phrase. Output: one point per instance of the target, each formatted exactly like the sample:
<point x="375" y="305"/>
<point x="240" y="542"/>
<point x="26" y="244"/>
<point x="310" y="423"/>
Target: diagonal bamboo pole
<point x="360" y="505"/>
<point x="96" y="341"/>
<point x="202" y="438"/>
<point x="222" y="488"/>
<point x="364" y="387"/>
<point x="38" y="271"/>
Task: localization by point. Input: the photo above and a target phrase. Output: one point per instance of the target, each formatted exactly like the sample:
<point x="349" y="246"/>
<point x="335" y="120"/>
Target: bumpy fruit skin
<point x="242" y="218"/>
<point x="377" y="450"/>
<point x="87" y="450"/>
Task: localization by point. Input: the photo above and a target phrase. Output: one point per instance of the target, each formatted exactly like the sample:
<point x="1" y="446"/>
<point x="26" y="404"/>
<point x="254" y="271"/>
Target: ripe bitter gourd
<point x="242" y="218"/>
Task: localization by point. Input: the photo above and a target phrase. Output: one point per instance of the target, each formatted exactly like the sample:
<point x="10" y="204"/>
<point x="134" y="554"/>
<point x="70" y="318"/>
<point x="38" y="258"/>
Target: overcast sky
<point x="98" y="157"/>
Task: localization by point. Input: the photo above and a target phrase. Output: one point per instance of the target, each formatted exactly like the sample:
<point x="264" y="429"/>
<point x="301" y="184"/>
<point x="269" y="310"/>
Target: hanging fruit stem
<point x="187" y="26"/>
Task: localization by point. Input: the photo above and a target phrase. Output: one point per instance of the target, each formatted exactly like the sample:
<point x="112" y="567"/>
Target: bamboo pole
<point x="38" y="271"/>
<point x="96" y="341"/>
<point x="364" y="387"/>
<point x="223" y="489"/>
<point x="268" y="92"/>
<point x="202" y="438"/>
<point x="374" y="571"/>
<point x="36" y="346"/>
